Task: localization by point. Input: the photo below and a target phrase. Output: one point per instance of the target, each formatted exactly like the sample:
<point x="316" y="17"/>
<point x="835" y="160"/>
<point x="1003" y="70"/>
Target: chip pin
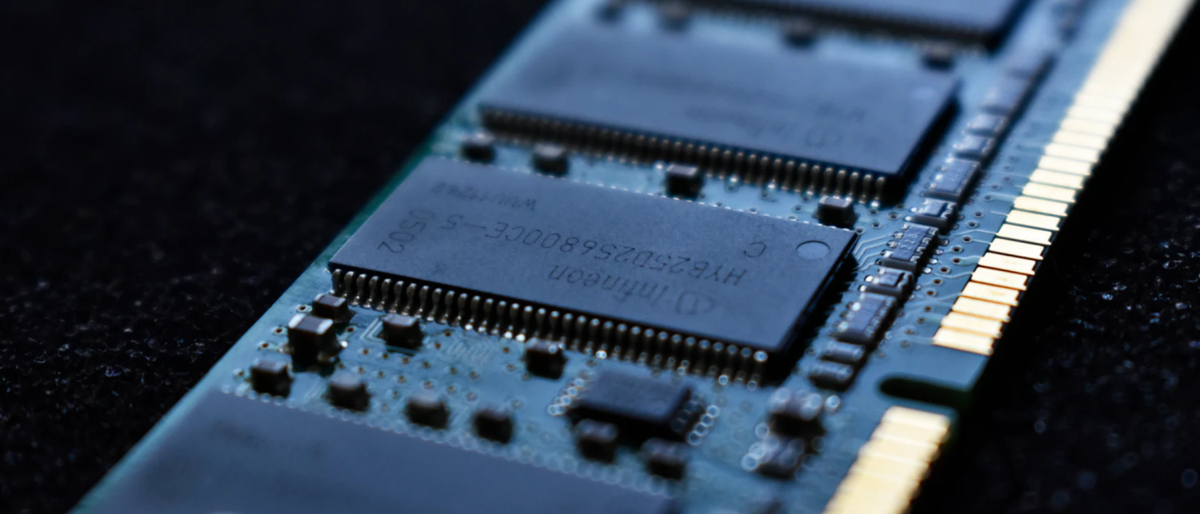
<point x="434" y="307"/>
<point x="555" y="330"/>
<point x="445" y="306"/>
<point x="752" y="167"/>
<point x="541" y="329"/>
<point x="360" y="293"/>
<point x="486" y="319"/>
<point x="512" y="318"/>
<point x="429" y="307"/>
<point x="814" y="178"/>
<point x="338" y="286"/>
<point x="422" y="300"/>
<point x="568" y="323"/>
<point x="526" y="320"/>
<point x="633" y="334"/>
<point x="629" y="345"/>
<point x="371" y="283"/>
<point x="385" y="288"/>
<point x="351" y="285"/>
<point x="662" y="347"/>
<point x="464" y="316"/>
<point x="773" y="180"/>
<point x="770" y="170"/>
<point x="672" y="352"/>
<point x="581" y="324"/>
<point x="880" y="186"/>
<point x="500" y="320"/>
<point x="343" y="285"/>
<point x="410" y="299"/>
<point x="594" y="331"/>
<point x="792" y="177"/>
<point x="456" y="307"/>
<point x="701" y="356"/>
<point x="855" y="180"/>
<point x="397" y="293"/>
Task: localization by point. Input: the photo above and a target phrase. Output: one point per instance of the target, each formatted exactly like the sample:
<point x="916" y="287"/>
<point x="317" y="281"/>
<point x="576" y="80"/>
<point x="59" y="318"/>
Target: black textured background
<point x="168" y="168"/>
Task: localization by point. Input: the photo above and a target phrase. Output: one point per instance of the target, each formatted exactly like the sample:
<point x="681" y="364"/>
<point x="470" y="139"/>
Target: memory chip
<point x="543" y="257"/>
<point x="228" y="454"/>
<point x="984" y="21"/>
<point x="776" y="114"/>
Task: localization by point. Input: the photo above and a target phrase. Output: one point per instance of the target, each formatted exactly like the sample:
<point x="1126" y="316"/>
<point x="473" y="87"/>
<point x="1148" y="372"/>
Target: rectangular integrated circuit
<point x="977" y="20"/>
<point x="231" y="454"/>
<point x="555" y="259"/>
<point x="640" y="406"/>
<point x="771" y="115"/>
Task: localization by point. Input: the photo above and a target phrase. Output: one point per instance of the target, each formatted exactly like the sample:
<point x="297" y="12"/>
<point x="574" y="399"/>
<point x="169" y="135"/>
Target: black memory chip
<point x="718" y="106"/>
<point x="565" y="261"/>
<point x="230" y="454"/>
<point x="984" y="21"/>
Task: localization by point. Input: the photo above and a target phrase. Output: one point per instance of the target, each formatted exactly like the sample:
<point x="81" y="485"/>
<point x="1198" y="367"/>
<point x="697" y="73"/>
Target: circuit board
<point x="670" y="256"/>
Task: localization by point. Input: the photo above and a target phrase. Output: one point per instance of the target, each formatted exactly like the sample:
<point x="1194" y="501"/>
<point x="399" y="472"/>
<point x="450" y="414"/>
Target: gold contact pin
<point x="1028" y="235"/>
<point x="1060" y="164"/>
<point x="981" y="309"/>
<point x="964" y="341"/>
<point x="992" y="294"/>
<point x="1033" y="220"/>
<point x="1055" y="178"/>
<point x="977" y="318"/>
<point x="1067" y="137"/>
<point x="999" y="278"/>
<point x="1017" y="249"/>
<point x="1038" y="205"/>
<point x="1008" y="263"/>
<point x="889" y="468"/>
<point x="987" y="327"/>
<point x="1059" y="194"/>
<point x="1102" y="130"/>
<point x="1072" y="152"/>
<point x="1098" y="108"/>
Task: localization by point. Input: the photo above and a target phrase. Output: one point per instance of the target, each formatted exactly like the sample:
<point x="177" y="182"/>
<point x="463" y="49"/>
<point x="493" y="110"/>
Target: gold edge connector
<point x="889" y="468"/>
<point x="982" y="310"/>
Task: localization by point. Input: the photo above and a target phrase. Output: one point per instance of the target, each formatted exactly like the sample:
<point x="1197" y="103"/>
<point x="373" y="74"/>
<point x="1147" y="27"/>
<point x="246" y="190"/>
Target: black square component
<point x="640" y="406"/>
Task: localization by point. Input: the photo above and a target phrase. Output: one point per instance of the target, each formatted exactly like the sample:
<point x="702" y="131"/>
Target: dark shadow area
<point x="921" y="391"/>
<point x="168" y="169"/>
